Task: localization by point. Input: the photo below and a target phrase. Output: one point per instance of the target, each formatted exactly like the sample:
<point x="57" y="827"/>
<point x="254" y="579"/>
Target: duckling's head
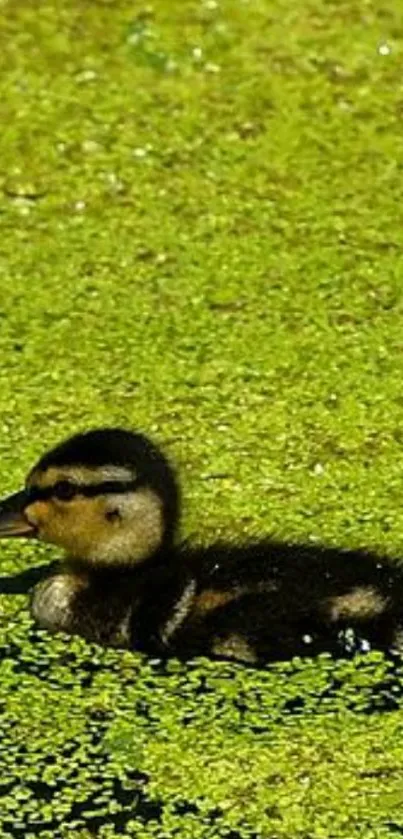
<point x="108" y="497"/>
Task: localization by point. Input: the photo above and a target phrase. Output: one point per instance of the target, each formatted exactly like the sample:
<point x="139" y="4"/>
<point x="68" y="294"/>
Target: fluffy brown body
<point x="257" y="603"/>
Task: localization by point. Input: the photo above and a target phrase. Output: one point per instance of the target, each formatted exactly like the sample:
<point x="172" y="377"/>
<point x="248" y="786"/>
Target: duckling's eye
<point x="64" y="491"/>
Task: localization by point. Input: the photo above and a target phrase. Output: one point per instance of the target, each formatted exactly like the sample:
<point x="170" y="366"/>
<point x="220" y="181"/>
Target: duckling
<point x="110" y="499"/>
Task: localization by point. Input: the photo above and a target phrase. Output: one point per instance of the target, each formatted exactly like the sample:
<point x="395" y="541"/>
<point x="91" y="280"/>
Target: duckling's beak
<point x="13" y="521"/>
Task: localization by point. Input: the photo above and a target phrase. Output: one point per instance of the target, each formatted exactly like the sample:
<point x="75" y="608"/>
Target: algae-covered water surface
<point x="201" y="237"/>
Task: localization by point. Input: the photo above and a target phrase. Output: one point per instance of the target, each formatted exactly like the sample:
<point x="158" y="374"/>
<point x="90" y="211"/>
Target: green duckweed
<point x="201" y="237"/>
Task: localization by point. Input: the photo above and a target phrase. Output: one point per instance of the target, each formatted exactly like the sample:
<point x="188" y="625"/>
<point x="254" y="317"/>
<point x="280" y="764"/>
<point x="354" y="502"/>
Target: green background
<point x="201" y="233"/>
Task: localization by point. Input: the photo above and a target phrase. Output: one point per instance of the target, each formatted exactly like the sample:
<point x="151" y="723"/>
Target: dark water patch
<point x="89" y="813"/>
<point x="85" y="815"/>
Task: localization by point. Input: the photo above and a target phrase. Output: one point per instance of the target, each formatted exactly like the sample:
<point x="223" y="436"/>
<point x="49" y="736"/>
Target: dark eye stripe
<point x="108" y="487"/>
<point x="66" y="490"/>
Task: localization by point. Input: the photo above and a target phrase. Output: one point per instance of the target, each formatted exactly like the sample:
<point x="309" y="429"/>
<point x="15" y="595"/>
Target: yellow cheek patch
<point x="73" y="525"/>
<point x="80" y="524"/>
